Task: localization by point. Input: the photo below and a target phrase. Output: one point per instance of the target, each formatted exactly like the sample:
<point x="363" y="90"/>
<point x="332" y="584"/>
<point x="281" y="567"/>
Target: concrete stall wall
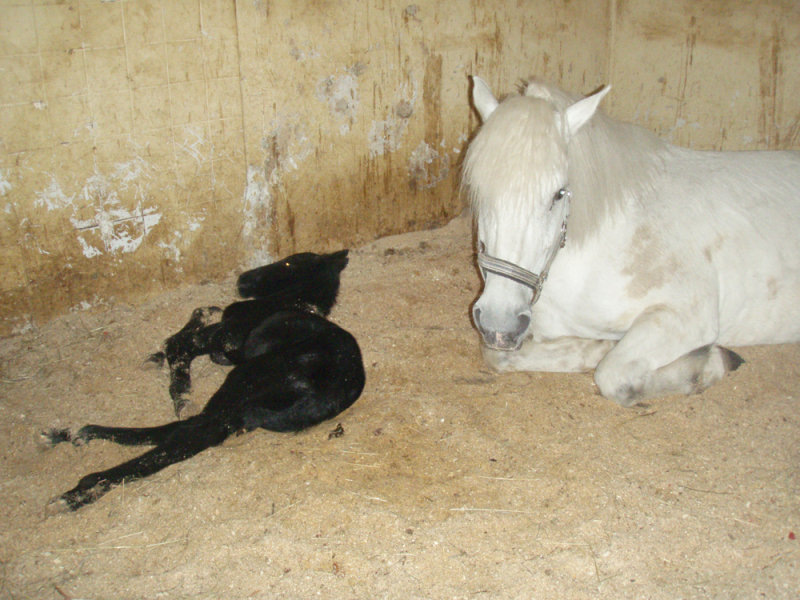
<point x="146" y="144"/>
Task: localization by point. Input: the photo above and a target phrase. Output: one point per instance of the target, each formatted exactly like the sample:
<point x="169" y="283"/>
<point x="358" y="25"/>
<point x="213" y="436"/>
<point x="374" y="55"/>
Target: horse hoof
<point x="730" y="359"/>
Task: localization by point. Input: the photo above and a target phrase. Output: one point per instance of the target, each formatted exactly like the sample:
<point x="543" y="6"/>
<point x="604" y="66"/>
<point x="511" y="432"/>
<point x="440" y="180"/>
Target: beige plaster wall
<point x="145" y="144"/>
<point x="356" y="112"/>
<point x="710" y="74"/>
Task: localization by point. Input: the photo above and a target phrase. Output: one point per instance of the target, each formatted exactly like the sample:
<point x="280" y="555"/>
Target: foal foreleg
<point x="193" y="340"/>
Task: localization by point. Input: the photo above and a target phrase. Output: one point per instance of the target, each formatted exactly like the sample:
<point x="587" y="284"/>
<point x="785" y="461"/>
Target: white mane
<point x="514" y="155"/>
<point x="604" y="171"/>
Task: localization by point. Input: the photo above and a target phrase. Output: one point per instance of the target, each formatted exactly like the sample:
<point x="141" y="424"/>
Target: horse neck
<point x="613" y="165"/>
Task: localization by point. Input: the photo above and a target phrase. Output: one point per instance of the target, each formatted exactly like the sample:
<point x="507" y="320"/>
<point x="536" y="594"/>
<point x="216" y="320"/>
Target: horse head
<point x="516" y="170"/>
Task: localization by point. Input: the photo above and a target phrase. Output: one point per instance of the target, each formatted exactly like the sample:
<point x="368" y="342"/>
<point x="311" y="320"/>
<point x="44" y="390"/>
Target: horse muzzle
<point x="506" y="341"/>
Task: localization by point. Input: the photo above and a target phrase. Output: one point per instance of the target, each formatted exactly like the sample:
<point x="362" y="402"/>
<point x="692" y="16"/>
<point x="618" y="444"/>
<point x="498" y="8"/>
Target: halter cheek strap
<point x="504" y="268"/>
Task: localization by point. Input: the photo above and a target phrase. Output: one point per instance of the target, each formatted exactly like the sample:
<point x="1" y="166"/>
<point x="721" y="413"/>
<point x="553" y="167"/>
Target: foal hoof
<point x="204" y="316"/>
<point x="219" y="358"/>
<point x="52" y="437"/>
<point x="154" y="361"/>
<point x="57" y="506"/>
<point x="185" y="408"/>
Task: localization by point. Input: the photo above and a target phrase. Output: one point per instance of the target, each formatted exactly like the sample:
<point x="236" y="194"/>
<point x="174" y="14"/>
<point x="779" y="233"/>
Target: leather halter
<point x="504" y="268"/>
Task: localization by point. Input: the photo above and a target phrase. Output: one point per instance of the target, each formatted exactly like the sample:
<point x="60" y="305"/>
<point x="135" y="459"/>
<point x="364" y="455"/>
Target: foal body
<point x="294" y="369"/>
<point x="305" y="282"/>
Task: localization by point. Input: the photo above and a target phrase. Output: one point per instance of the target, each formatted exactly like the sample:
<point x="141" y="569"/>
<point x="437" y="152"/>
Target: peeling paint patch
<point x="195" y="224"/>
<point x="426" y="167"/>
<point x="173" y="248"/>
<point x="462" y="140"/>
<point x="257" y="213"/>
<point x="119" y="230"/>
<point x="257" y="200"/>
<point x="112" y="228"/>
<point x="85" y="305"/>
<point x="5" y="185"/>
<point x="23" y="324"/>
<point x="285" y="146"/>
<point x="341" y="95"/>
<point x="386" y="135"/>
<point x="194" y="143"/>
<point x="52" y="197"/>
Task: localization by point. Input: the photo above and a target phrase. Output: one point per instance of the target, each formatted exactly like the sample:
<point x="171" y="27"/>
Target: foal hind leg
<point x="126" y="436"/>
<point x="182" y="440"/>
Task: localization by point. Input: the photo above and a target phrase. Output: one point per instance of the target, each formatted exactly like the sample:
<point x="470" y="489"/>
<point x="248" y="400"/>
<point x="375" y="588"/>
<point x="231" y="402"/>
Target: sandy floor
<point x="449" y="482"/>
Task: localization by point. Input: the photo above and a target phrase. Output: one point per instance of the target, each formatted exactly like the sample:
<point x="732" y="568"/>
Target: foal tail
<point x="176" y="442"/>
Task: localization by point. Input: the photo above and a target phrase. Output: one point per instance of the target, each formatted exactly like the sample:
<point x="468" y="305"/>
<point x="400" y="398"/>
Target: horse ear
<point x="579" y="113"/>
<point x="482" y="98"/>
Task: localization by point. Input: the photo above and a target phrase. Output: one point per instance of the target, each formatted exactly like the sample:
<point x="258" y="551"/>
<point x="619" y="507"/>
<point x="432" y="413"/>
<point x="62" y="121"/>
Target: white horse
<point x="669" y="254"/>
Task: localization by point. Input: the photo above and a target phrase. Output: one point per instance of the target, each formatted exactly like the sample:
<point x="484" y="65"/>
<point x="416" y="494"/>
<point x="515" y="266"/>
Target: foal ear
<point x="482" y="98"/>
<point x="579" y="113"/>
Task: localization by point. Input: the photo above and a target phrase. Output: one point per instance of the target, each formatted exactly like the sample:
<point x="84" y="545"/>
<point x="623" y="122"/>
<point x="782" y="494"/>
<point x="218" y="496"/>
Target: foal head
<point x="307" y="278"/>
<point x="516" y="173"/>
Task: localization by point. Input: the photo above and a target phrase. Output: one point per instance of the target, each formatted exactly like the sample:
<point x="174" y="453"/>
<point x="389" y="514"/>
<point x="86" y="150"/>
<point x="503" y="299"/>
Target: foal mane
<point x="611" y="163"/>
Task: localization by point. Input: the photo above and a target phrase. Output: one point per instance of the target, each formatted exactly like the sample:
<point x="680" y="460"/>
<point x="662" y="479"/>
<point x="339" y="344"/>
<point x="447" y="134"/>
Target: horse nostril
<point x="523" y="322"/>
<point x="476" y="316"/>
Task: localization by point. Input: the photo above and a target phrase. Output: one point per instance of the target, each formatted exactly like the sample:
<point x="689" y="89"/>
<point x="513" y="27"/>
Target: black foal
<point x="307" y="281"/>
<point x="294" y="369"/>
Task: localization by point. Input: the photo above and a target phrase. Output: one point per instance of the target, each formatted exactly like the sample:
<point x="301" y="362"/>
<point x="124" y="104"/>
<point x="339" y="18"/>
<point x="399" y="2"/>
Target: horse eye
<point x="559" y="195"/>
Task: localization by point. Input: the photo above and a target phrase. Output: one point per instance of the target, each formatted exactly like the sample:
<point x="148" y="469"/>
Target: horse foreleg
<point x="663" y="353"/>
<point x="193" y="340"/>
<point x="565" y="355"/>
<point x="694" y="372"/>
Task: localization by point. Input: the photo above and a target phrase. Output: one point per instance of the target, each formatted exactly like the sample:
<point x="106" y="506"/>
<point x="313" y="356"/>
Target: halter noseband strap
<point x="498" y="266"/>
<point x="504" y="268"/>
